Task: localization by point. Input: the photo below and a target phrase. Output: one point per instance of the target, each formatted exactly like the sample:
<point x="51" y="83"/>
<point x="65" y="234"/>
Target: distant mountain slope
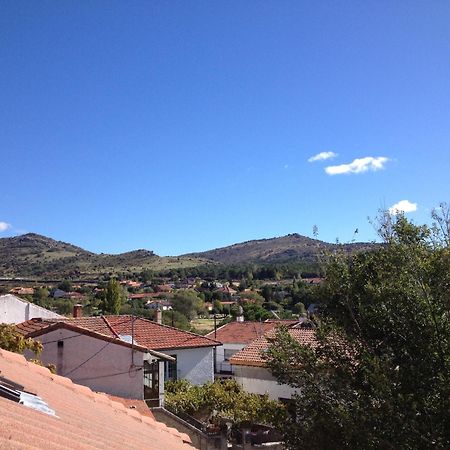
<point x="33" y="255"/>
<point x="275" y="250"/>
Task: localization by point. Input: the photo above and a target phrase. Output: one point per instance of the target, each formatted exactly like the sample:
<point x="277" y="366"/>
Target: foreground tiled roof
<point x="252" y="355"/>
<point x="138" y="405"/>
<point x="146" y="333"/>
<point x="84" y="419"/>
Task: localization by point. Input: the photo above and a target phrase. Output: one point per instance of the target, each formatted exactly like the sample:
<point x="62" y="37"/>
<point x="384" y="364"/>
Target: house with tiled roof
<point x="122" y="355"/>
<point x="39" y="409"/>
<point x="249" y="365"/>
<point x="235" y="336"/>
<point x="105" y="362"/>
<point x="163" y="305"/>
<point x="15" y="310"/>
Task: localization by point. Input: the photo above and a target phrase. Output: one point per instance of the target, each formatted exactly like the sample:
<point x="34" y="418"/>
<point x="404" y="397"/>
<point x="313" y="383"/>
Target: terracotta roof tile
<point x="136" y="405"/>
<point x="85" y="420"/>
<point x="147" y="334"/>
<point x="156" y="336"/>
<point x="252" y="355"/>
<point x="241" y="332"/>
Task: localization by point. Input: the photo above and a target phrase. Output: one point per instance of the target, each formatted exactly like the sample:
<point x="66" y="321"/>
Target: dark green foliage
<point x="176" y="319"/>
<point x="380" y="376"/>
<point x="40" y="297"/>
<point x="65" y="285"/>
<point x="253" y="312"/>
<point x="187" y="303"/>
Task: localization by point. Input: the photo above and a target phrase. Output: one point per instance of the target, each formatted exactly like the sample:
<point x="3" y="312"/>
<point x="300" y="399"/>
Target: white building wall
<point x="101" y="365"/>
<point x="221" y="364"/>
<point x="194" y="364"/>
<point x="15" y="310"/>
<point x="259" y="380"/>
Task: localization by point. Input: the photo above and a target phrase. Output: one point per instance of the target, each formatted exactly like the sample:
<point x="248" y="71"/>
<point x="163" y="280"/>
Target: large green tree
<point x="188" y="303"/>
<point x="113" y="297"/>
<point x="379" y="376"/>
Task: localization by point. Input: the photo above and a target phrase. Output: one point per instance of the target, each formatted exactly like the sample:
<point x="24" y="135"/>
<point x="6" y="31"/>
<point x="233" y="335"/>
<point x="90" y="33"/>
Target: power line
<point x="108" y="375"/>
<point x="112" y="339"/>
<point x="87" y="360"/>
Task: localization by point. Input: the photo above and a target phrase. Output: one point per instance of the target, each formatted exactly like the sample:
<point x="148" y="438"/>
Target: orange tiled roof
<point x="144" y="295"/>
<point x="252" y="355"/>
<point x="85" y="420"/>
<point x="146" y="333"/>
<point x="139" y="405"/>
<point x="241" y="332"/>
<point x="158" y="337"/>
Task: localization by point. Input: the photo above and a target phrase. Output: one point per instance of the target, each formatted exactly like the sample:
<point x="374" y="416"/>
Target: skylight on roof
<point x="128" y="339"/>
<point x="13" y="391"/>
<point x="35" y="402"/>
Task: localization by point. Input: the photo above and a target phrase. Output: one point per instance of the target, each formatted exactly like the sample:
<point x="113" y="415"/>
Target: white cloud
<point x="403" y="206"/>
<point x="358" y="165"/>
<point x="4" y="226"/>
<point x="322" y="156"/>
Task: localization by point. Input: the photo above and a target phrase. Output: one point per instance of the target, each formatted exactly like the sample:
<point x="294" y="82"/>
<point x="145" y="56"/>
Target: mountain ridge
<point x="290" y="247"/>
<point x="36" y="255"/>
<point x="33" y="254"/>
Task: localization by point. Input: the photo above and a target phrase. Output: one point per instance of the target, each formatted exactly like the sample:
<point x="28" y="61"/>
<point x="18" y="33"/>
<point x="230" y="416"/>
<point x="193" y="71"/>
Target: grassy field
<point x="203" y="325"/>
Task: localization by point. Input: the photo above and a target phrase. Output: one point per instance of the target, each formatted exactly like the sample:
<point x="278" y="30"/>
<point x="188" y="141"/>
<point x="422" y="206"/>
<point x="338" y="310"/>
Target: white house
<point x="163" y="305"/>
<point x="15" y="310"/>
<point x="234" y="336"/>
<point x="250" y="369"/>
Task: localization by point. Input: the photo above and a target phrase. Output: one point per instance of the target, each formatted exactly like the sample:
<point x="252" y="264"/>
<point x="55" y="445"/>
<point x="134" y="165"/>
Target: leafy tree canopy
<point x="380" y="374"/>
<point x="113" y="297"/>
<point x="221" y="400"/>
<point x="13" y="341"/>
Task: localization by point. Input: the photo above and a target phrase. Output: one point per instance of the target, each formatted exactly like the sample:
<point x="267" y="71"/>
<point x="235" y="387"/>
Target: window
<point x="170" y="369"/>
<point x="227" y="354"/>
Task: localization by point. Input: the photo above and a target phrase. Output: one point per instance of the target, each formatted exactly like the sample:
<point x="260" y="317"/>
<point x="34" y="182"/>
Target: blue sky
<point x="180" y="126"/>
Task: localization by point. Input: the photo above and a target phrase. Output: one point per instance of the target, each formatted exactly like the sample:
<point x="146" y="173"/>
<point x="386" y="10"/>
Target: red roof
<point x="84" y="419"/>
<point x="148" y="334"/>
<point x="241" y="332"/>
<point x="252" y="355"/>
<point x="144" y="295"/>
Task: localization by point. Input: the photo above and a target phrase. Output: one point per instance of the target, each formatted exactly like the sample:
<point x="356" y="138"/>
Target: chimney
<point x="77" y="310"/>
<point x="240" y="315"/>
<point x="159" y="315"/>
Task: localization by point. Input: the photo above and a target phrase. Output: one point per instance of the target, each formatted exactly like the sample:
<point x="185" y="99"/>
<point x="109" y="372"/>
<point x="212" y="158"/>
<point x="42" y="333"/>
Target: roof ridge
<point x="217" y="329"/>
<point x="87" y="331"/>
<point x="110" y="327"/>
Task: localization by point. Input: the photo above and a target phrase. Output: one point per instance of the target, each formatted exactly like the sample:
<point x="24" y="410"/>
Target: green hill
<point x="292" y="247"/>
<point x="33" y="255"/>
